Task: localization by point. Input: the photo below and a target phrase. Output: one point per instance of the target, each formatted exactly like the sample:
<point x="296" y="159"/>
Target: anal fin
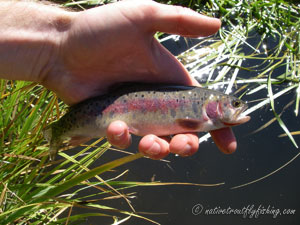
<point x="77" y="140"/>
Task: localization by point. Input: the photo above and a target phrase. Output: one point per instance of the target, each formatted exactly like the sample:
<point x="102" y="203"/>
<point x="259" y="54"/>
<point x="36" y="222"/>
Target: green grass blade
<point x="281" y="123"/>
<point x="84" y="176"/>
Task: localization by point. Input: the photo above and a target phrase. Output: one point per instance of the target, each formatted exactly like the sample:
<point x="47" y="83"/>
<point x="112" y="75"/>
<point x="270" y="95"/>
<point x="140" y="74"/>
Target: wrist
<point x="30" y="39"/>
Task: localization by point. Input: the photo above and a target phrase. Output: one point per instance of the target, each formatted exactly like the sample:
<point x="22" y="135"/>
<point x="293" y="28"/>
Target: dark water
<point x="274" y="200"/>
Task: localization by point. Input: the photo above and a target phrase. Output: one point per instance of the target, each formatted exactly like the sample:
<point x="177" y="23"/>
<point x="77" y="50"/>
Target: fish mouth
<point x="243" y="119"/>
<point x="240" y="117"/>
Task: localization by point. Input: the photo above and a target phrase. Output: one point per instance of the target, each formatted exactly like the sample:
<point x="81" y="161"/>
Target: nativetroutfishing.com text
<point x="249" y="211"/>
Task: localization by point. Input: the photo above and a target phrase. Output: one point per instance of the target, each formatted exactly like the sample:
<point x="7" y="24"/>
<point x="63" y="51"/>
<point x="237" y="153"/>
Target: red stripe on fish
<point x="145" y="105"/>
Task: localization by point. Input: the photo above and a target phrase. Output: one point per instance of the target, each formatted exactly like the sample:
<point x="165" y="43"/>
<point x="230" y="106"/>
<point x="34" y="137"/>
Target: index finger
<point x="224" y="139"/>
<point x="182" y="21"/>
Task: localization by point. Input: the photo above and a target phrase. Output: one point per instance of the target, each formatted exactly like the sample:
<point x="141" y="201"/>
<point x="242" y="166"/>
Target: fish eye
<point x="236" y="103"/>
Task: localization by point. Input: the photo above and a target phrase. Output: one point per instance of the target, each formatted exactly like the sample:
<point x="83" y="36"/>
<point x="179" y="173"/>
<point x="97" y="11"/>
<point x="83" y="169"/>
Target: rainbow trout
<point x="147" y="109"/>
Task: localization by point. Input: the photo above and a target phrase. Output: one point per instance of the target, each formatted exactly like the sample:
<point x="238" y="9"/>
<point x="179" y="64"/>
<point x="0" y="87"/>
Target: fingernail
<point x="118" y="137"/>
<point x="187" y="150"/>
<point x="154" y="149"/>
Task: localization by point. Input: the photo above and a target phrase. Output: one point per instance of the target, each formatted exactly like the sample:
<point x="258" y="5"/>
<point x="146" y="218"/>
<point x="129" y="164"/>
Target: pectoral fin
<point x="189" y="124"/>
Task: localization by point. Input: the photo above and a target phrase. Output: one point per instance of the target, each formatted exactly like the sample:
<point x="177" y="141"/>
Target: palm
<point x="113" y="44"/>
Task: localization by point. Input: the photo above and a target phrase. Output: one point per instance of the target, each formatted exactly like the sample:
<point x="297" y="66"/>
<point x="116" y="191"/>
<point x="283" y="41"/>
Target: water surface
<point x="257" y="155"/>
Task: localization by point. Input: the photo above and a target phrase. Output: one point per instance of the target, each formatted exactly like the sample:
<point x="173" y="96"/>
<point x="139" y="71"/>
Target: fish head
<point x="226" y="110"/>
<point x="232" y="109"/>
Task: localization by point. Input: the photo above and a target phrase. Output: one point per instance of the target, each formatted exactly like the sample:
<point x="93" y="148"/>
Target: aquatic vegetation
<point x="256" y="51"/>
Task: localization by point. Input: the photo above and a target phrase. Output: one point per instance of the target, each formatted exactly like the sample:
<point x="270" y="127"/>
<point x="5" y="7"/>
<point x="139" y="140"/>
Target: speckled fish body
<point x="148" y="109"/>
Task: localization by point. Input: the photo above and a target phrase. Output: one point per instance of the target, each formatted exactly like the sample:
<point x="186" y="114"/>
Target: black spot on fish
<point x="142" y="96"/>
<point x="133" y="116"/>
<point x="173" y="113"/>
<point x="195" y="108"/>
<point x="111" y="114"/>
<point x="124" y="101"/>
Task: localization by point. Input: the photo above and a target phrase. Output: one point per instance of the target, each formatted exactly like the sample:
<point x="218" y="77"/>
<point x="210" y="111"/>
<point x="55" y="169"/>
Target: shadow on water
<point x="274" y="200"/>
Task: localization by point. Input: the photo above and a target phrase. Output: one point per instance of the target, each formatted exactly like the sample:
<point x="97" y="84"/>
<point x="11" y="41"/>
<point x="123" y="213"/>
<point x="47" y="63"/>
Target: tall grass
<point x="31" y="185"/>
<point x="36" y="191"/>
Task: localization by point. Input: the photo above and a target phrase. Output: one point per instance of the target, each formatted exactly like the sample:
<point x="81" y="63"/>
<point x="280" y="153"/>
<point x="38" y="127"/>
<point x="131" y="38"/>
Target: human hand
<point x="114" y="43"/>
